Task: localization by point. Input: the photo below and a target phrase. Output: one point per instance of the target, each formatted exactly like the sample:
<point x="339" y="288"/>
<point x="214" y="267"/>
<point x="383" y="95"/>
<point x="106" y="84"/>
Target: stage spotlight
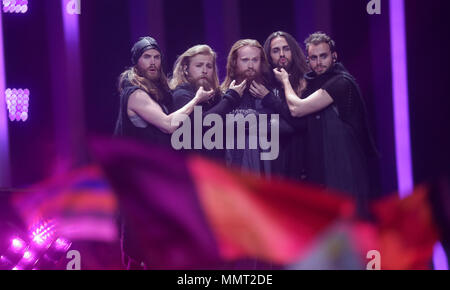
<point x="17" y="245"/>
<point x="28" y="260"/>
<point x="17" y="102"/>
<point x="59" y="248"/>
<point x="52" y="256"/>
<point x="13" y="254"/>
<point x="43" y="252"/>
<point x="42" y="234"/>
<point x="5" y="263"/>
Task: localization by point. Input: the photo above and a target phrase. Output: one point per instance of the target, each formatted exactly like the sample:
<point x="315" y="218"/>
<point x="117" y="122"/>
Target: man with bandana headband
<point x="144" y="115"/>
<point x="145" y="98"/>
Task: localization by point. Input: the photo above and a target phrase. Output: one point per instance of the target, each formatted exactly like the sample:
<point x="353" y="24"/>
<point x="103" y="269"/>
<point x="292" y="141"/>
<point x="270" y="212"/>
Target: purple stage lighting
<point x="400" y="96"/>
<point x="15" y="6"/>
<point x="28" y="260"/>
<point x="44" y="252"/>
<point x="5" y="263"/>
<point x="17" y="245"/>
<point x="43" y="233"/>
<point x="58" y="249"/>
<point x="5" y="178"/>
<point x="62" y="244"/>
<point x="13" y="254"/>
<point x="17" y="102"/>
<point x="28" y="255"/>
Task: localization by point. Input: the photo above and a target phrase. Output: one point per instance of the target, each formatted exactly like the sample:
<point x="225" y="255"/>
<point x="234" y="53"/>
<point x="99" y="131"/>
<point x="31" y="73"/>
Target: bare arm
<point x="302" y="107"/>
<point x="144" y="106"/>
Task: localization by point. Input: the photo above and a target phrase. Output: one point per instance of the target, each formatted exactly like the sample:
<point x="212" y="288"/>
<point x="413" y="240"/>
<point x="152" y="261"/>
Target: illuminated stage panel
<point x="17" y="102"/>
<point x="15" y="6"/>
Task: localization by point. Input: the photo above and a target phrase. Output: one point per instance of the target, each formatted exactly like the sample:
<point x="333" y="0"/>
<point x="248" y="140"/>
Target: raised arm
<point x="302" y="107"/>
<point x="149" y="110"/>
<point x="230" y="99"/>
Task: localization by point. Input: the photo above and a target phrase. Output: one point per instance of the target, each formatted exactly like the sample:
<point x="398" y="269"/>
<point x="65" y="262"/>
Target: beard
<point x="206" y="83"/>
<point x="287" y="65"/>
<point x="250" y="75"/>
<point x="151" y="75"/>
<point x="320" y="70"/>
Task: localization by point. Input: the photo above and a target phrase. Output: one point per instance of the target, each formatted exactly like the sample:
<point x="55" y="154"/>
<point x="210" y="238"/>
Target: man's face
<point x="149" y="64"/>
<point x="280" y="53"/>
<point x="320" y="57"/>
<point x="201" y="70"/>
<point x="248" y="63"/>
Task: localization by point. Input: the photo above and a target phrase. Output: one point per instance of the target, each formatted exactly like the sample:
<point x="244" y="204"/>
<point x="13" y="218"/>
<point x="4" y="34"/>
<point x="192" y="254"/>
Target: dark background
<point x="109" y="28"/>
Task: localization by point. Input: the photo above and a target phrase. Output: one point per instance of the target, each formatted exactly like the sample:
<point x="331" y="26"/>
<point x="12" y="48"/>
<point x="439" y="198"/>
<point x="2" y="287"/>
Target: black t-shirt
<point x="340" y="89"/>
<point x="219" y="104"/>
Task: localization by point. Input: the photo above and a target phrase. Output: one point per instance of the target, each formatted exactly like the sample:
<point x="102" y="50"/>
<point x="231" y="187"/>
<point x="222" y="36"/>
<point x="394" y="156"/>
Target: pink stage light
<point x="18" y="103"/>
<point x="13" y="254"/>
<point x="17" y="245"/>
<point x="15" y="6"/>
<point x="62" y="244"/>
<point x="5" y="263"/>
<point x="44" y="252"/>
<point x="58" y="249"/>
<point x="43" y="233"/>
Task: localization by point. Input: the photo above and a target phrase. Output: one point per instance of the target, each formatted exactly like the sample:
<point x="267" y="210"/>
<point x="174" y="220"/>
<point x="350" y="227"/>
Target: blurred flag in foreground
<point x="182" y="212"/>
<point x="81" y="203"/>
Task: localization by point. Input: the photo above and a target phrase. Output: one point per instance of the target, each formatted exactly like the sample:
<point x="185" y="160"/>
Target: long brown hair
<point x="232" y="61"/>
<point x="158" y="90"/>
<point x="299" y="65"/>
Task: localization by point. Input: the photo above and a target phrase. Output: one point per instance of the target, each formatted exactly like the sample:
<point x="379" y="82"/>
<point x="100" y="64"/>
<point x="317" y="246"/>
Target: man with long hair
<point x="339" y="144"/>
<point x="247" y="63"/>
<point x="195" y="68"/>
<point x="145" y="99"/>
<point x="283" y="51"/>
<point x="144" y="115"/>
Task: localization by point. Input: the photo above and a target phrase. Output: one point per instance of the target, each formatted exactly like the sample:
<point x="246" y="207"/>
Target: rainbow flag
<point x="181" y="212"/>
<point x="81" y="203"/>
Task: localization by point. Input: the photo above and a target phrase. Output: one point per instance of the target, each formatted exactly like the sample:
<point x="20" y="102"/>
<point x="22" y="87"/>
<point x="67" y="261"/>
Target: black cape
<point x="339" y="144"/>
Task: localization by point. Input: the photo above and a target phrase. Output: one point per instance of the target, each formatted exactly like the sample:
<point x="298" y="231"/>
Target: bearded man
<point x="196" y="68"/>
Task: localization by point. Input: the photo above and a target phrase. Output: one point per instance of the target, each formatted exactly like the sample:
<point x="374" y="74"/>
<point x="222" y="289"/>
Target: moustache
<point x="203" y="78"/>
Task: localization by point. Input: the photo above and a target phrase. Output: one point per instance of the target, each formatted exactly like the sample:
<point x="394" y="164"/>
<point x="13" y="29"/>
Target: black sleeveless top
<point x="125" y="128"/>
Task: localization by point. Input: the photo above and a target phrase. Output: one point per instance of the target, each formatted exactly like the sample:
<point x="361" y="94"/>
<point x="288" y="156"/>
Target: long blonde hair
<point x="232" y="61"/>
<point x="179" y="77"/>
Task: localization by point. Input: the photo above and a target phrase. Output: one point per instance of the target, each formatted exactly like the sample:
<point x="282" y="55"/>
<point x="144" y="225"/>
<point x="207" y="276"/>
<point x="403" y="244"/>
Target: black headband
<point x="144" y="44"/>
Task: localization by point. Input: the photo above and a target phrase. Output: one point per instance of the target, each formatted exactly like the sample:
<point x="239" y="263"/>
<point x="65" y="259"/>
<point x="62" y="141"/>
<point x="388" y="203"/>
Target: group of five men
<point x="320" y="114"/>
<point x="317" y="107"/>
